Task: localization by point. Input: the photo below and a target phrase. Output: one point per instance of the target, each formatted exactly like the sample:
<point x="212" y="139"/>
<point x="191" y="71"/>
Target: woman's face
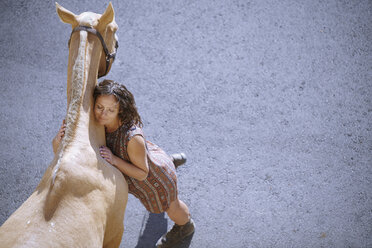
<point x="106" y="109"/>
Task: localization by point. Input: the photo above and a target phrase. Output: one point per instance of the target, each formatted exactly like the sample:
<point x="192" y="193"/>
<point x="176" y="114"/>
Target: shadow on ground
<point x="155" y="227"/>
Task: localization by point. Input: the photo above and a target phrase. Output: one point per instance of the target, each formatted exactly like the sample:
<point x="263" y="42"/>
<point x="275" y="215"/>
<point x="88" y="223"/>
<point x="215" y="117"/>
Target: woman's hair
<point x="128" y="113"/>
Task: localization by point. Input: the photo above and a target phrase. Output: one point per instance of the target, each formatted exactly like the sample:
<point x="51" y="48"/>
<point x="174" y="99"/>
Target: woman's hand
<point x="107" y="155"/>
<point x="59" y="136"/>
<point x="137" y="167"/>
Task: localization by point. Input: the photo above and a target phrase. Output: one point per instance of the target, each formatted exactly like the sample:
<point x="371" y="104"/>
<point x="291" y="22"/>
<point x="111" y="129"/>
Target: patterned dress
<point x="159" y="189"/>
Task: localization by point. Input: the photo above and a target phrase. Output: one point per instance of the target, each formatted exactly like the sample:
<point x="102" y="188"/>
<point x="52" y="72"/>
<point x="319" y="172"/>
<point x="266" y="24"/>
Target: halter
<point x="109" y="56"/>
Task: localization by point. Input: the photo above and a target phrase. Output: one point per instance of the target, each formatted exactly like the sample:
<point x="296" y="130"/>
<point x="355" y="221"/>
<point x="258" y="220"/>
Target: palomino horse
<point x="81" y="199"/>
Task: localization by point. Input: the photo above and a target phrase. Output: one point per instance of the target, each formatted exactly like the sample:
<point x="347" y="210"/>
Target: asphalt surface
<point x="270" y="100"/>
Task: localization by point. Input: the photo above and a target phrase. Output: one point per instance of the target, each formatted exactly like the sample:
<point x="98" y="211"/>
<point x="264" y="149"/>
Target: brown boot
<point x="176" y="235"/>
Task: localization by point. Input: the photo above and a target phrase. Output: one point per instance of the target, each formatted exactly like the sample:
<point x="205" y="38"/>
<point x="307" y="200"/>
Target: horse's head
<point x="102" y="26"/>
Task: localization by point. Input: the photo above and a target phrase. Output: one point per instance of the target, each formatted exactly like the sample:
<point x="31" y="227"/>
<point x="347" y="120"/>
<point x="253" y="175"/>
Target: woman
<point x="149" y="171"/>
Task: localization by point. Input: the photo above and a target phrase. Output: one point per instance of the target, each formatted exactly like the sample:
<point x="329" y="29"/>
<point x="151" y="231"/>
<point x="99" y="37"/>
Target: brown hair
<point x="128" y="113"/>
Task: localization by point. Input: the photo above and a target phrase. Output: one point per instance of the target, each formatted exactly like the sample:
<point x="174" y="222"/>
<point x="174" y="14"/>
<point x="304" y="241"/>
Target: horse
<point x="81" y="199"/>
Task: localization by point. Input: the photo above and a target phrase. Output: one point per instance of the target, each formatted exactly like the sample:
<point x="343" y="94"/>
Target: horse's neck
<point x="81" y="127"/>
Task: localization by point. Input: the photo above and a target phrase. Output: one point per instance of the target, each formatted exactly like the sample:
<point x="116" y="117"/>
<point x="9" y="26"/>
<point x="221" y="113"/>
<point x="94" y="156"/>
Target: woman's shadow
<point x="155" y="227"/>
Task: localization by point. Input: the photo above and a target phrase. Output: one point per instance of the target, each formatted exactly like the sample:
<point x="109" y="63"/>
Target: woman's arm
<point x="138" y="168"/>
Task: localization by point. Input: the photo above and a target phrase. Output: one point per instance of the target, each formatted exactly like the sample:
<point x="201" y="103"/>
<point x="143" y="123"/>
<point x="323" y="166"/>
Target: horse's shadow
<point x="155" y="227"/>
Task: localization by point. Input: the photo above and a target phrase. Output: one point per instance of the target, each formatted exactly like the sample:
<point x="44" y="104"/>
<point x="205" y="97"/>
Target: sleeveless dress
<point x="159" y="189"/>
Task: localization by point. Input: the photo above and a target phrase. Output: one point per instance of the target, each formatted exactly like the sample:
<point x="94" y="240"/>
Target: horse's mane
<point x="76" y="97"/>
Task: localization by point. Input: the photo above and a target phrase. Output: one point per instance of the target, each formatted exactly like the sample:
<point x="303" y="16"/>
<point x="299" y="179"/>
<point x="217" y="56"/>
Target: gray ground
<point x="271" y="101"/>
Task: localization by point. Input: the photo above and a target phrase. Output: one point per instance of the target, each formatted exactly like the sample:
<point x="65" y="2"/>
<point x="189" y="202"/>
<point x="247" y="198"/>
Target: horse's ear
<point x="65" y="15"/>
<point x="106" y="17"/>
